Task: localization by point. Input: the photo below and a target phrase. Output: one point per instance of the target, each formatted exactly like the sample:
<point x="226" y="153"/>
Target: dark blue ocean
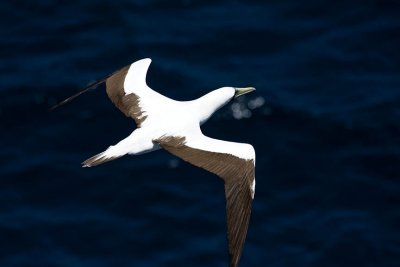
<point x="325" y="123"/>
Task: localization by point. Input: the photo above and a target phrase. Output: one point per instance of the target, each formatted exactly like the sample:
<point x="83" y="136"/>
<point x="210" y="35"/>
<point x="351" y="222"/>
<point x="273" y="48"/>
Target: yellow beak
<point x="242" y="91"/>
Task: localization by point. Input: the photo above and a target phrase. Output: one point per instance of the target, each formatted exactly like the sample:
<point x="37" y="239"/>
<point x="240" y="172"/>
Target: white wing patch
<point x="135" y="80"/>
<point x="196" y="139"/>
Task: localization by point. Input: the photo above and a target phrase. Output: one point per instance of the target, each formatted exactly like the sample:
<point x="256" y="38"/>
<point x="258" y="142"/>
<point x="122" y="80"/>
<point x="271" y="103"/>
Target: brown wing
<point x="128" y="104"/>
<point x="128" y="90"/>
<point x="238" y="175"/>
<point x="137" y="101"/>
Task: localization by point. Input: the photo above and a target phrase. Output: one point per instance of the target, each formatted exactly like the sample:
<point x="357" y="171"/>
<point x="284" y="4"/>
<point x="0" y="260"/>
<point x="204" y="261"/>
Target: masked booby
<point x="175" y="126"/>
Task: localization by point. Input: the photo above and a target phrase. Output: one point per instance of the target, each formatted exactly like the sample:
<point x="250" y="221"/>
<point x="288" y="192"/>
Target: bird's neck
<point x="206" y="105"/>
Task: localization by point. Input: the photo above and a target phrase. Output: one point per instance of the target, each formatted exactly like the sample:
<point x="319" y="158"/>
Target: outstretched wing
<point x="235" y="164"/>
<point x="128" y="90"/>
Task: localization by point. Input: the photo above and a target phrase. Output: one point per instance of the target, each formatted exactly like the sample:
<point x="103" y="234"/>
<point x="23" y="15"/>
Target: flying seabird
<point x="175" y="126"/>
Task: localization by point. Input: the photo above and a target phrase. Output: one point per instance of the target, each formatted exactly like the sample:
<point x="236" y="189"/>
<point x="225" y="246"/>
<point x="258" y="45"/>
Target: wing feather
<point x="128" y="104"/>
<point x="128" y="90"/>
<point x="238" y="175"/>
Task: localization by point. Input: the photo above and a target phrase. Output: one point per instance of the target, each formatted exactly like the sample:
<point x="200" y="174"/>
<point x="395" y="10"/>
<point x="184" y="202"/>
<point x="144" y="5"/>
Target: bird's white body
<point x="175" y="126"/>
<point x="166" y="116"/>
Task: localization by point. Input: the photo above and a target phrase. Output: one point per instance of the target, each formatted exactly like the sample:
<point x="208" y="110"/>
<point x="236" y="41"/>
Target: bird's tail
<point x="98" y="159"/>
<point x="116" y="151"/>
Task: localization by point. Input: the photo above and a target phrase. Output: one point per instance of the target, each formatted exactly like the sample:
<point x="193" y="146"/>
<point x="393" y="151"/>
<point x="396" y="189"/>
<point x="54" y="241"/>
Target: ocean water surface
<point x="325" y="123"/>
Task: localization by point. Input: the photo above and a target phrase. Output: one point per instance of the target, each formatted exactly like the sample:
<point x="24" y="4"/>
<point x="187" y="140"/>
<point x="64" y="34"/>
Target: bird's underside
<point x="182" y="137"/>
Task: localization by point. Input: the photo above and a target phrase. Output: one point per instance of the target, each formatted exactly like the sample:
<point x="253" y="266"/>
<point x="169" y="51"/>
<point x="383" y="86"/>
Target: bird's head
<point x="225" y="94"/>
<point x="214" y="100"/>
